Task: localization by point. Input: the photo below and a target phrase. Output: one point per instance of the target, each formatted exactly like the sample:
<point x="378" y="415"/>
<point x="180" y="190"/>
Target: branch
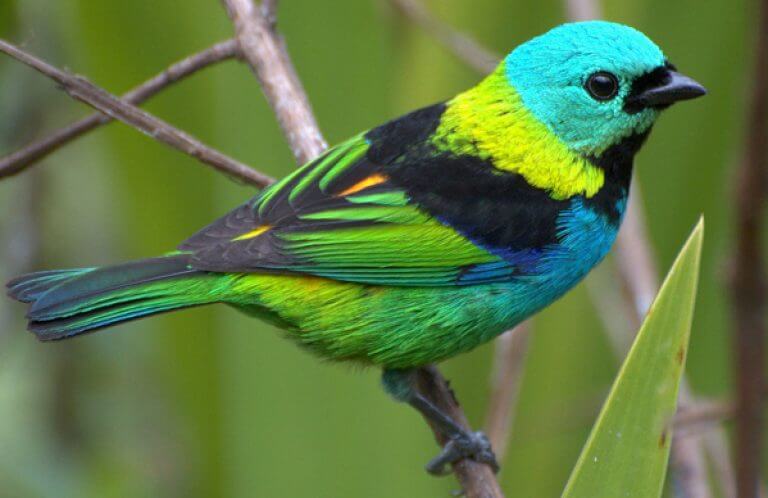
<point x="477" y="479"/>
<point x="269" y="11"/>
<point x="265" y="52"/>
<point x="464" y="47"/>
<point x="747" y="278"/>
<point x="583" y="10"/>
<point x="267" y="55"/>
<point x="703" y="413"/>
<point x="20" y="160"/>
<point x="509" y="360"/>
<point x="635" y="259"/>
<point x="83" y="90"/>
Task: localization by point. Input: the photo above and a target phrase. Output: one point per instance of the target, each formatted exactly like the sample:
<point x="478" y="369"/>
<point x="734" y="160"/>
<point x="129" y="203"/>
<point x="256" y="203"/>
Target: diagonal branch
<point x="476" y="479"/>
<point x="83" y="90"/>
<point x="582" y="10"/>
<point x="464" y="47"/>
<point x="509" y="362"/>
<point x="266" y="53"/>
<point x="33" y="153"/>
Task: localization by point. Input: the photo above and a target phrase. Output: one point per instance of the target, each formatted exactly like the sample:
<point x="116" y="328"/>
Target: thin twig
<point x="717" y="447"/>
<point x="266" y="53"/>
<point x="465" y="47"/>
<point x="634" y="256"/>
<point x="31" y="154"/>
<point x="511" y="350"/>
<point x="583" y="10"/>
<point x="267" y="57"/>
<point x="747" y="278"/>
<point x="703" y="413"/>
<point x="83" y="90"/>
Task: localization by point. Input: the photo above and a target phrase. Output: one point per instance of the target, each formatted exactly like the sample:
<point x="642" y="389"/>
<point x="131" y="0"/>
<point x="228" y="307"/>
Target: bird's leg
<point x="460" y="444"/>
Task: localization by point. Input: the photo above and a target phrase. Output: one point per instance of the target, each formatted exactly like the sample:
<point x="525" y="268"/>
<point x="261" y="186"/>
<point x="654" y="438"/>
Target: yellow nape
<point x="253" y="233"/>
<point x="490" y="121"/>
<point x="370" y="181"/>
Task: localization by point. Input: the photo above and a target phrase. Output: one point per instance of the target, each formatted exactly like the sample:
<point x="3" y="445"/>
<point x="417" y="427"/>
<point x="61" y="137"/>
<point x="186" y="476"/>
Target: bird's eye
<point x="602" y="85"/>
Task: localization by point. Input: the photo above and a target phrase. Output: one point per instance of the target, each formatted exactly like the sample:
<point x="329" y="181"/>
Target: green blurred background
<point x="210" y="403"/>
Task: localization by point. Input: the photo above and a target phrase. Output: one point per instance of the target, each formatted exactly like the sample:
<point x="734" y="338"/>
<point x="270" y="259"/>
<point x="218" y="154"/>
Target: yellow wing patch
<point x="253" y="233"/>
<point x="370" y="181"/>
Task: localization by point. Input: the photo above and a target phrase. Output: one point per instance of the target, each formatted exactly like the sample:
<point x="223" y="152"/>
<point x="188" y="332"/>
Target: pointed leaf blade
<point x="627" y="452"/>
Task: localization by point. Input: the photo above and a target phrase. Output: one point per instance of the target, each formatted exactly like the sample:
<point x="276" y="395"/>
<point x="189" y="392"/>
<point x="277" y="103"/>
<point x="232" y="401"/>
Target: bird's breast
<point x="585" y="235"/>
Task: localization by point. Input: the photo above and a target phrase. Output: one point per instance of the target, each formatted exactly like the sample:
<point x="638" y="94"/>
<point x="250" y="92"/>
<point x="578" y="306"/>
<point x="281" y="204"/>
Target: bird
<point x="421" y="238"/>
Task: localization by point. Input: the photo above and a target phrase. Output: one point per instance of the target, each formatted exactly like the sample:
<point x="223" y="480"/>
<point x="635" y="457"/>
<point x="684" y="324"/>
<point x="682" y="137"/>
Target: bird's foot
<point x="474" y="445"/>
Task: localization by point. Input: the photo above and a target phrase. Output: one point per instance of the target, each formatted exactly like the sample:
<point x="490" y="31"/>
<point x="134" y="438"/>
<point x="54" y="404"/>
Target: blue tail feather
<point x="30" y="287"/>
<point x="66" y="303"/>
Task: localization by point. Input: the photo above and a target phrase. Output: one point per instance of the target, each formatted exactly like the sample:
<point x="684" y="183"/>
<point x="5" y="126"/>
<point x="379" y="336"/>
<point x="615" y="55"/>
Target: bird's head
<point x="595" y="83"/>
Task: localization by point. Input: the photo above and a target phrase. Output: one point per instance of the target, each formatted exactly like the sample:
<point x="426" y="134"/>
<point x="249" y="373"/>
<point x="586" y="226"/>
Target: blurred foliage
<point x="210" y="403"/>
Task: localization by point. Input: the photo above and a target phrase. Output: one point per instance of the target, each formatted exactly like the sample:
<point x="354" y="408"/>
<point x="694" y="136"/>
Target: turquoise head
<point x="595" y="83"/>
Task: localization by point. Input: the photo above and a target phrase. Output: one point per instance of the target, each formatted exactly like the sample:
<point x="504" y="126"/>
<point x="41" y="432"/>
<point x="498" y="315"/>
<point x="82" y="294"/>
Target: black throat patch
<point x="616" y="162"/>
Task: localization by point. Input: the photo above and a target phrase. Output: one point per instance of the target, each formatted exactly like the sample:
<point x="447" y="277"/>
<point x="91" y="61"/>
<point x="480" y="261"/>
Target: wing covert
<point x="342" y="217"/>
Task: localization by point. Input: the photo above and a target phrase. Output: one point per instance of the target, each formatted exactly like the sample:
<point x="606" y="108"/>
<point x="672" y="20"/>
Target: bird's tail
<point x="66" y="303"/>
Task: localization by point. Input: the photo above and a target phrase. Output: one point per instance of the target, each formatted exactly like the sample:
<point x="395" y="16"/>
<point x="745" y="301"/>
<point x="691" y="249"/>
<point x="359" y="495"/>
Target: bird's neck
<point x="616" y="163"/>
<point x="491" y="121"/>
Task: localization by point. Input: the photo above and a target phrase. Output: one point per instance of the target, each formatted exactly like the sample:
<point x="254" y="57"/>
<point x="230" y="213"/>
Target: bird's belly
<point x="397" y="327"/>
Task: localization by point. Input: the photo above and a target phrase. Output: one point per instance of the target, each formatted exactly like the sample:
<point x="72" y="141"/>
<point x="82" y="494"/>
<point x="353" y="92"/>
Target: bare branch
<point x="464" y="47"/>
<point x="269" y="11"/>
<point x="583" y="10"/>
<point x="18" y="161"/>
<point x="267" y="57"/>
<point x="747" y="278"/>
<point x="634" y="256"/>
<point x="511" y="350"/>
<point x="477" y="479"/>
<point x="717" y="447"/>
<point x="703" y="413"/>
<point x="83" y="90"/>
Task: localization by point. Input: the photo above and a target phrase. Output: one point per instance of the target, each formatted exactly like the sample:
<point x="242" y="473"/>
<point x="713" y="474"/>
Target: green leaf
<point x="627" y="452"/>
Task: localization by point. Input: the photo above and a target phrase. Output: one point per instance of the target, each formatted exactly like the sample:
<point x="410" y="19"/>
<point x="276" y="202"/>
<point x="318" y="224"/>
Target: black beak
<point x="663" y="90"/>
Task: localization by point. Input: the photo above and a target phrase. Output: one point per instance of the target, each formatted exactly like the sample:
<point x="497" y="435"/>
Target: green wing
<point x="341" y="217"/>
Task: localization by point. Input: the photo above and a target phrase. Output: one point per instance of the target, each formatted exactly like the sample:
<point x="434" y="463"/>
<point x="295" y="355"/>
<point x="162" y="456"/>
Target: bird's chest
<point x="585" y="235"/>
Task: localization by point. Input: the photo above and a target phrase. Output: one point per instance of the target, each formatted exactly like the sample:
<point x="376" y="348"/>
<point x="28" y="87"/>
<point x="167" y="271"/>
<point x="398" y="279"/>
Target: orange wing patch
<point x="367" y="182"/>
<point x="253" y="233"/>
